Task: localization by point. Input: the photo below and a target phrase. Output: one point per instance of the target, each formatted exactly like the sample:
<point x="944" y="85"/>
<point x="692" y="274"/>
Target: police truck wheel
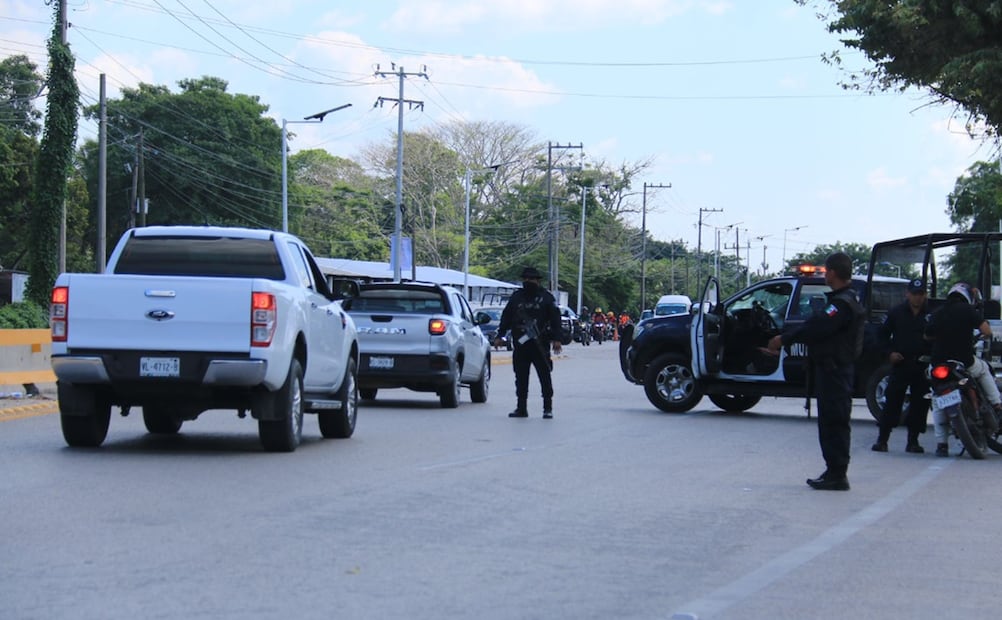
<point x="734" y="403"/>
<point x="670" y="384"/>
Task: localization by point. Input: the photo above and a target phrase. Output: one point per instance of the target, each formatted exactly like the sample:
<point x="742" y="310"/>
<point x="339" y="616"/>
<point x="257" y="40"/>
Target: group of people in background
<point x="834" y="336"/>
<point x="909" y="334"/>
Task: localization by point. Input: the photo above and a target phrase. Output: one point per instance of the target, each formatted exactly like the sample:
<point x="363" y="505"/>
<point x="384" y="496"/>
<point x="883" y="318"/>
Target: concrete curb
<point x="15" y="409"/>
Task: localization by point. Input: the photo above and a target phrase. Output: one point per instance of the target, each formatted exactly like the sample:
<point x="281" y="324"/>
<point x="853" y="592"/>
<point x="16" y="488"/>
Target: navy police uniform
<point x="834" y="338"/>
<point x="903" y="332"/>
<point x="533" y="317"/>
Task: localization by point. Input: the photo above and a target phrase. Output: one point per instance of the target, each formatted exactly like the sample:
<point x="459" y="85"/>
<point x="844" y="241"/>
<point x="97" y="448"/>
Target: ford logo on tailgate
<point x="160" y="315"/>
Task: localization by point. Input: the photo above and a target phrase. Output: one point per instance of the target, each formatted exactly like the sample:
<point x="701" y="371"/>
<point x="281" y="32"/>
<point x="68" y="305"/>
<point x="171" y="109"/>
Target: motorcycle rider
<point x="950" y="329"/>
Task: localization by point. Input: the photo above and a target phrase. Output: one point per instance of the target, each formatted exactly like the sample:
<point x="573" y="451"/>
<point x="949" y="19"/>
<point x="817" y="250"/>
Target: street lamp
<point x="468" y="181"/>
<point x="786" y="230"/>
<point x="313" y="118"/>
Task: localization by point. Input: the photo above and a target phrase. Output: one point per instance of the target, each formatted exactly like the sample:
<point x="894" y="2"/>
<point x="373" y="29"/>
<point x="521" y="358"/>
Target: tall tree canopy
<point x="951" y="48"/>
<point x="53" y="169"/>
<point x="20" y="86"/>
<point x="208" y="156"/>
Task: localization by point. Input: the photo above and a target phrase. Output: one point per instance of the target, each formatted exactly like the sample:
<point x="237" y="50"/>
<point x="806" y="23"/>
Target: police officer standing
<point x="902" y="336"/>
<point x="533" y="317"/>
<point x="834" y="338"/>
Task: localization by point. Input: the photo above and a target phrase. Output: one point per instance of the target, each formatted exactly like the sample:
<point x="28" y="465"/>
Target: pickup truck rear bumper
<point x="108" y="368"/>
<point x="417" y="372"/>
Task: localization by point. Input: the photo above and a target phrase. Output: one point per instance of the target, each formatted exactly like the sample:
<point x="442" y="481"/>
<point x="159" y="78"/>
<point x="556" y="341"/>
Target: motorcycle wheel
<point x="968" y="434"/>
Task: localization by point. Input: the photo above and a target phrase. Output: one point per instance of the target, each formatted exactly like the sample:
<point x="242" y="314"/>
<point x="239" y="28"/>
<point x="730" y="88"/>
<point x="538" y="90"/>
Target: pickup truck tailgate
<point x="389" y="334"/>
<point x="126" y="312"/>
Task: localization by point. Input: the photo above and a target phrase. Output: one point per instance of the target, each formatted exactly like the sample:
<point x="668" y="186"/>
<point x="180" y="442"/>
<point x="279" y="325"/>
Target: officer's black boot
<point x="913" y="444"/>
<point x="547" y="408"/>
<point x="521" y="411"/>
<point x="881" y="444"/>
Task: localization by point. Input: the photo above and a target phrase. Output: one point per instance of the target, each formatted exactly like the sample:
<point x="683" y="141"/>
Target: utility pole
<point x="102" y="172"/>
<point x="141" y="189"/>
<point x="399" y="210"/>
<point x="699" y="247"/>
<point x="554" y="216"/>
<point x="643" y="245"/>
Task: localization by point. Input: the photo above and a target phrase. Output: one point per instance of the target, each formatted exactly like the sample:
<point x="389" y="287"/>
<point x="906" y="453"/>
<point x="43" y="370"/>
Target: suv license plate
<point x="160" y="367"/>
<point x="947" y="400"/>
<point x="381" y="362"/>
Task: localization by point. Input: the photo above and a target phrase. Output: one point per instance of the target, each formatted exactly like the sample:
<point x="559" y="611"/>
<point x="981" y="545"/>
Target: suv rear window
<point x="223" y="257"/>
<point x="396" y="300"/>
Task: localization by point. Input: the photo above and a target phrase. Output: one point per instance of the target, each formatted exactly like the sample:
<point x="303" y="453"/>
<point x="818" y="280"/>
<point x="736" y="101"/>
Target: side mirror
<point x="482" y="318"/>
<point x="343" y="288"/>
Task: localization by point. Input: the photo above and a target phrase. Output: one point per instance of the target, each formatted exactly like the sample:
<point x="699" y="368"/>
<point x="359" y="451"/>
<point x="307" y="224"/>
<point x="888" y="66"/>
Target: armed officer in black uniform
<point x="903" y="338"/>
<point x="834" y="338"/>
<point x="533" y="317"/>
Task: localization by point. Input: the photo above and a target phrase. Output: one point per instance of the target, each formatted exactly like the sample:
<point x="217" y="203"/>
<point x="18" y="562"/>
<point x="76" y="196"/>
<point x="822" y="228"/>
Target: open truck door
<point x="706" y="335"/>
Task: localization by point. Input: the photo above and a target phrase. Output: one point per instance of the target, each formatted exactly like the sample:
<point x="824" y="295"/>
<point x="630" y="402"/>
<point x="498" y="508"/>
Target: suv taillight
<point x="436" y="327"/>
<point x="58" y="311"/>
<point x="264" y="315"/>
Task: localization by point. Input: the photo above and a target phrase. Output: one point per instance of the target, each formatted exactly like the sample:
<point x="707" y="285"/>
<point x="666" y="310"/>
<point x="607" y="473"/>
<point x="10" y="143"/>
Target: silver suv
<point x="420" y="336"/>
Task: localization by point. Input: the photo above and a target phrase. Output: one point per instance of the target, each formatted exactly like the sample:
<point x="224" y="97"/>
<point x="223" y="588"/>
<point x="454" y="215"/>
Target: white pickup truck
<point x="191" y="318"/>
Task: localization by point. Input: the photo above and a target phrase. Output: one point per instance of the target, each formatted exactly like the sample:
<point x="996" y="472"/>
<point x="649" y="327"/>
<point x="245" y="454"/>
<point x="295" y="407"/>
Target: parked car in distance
<point x="421" y="336"/>
<point x="672" y="304"/>
<point x="490" y="328"/>
<point x="568" y="323"/>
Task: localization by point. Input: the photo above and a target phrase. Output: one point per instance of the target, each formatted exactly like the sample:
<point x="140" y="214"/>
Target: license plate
<point x="160" y="367"/>
<point x="946" y="400"/>
<point x="381" y="362"/>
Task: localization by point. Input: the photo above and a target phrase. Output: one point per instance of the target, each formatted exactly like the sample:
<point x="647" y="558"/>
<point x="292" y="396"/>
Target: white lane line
<point x="476" y="459"/>
<point x="771" y="572"/>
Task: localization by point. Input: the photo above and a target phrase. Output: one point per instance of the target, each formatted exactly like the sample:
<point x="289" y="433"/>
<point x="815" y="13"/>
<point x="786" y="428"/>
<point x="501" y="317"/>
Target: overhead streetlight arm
<point x="313" y="118"/>
<point x="320" y="115"/>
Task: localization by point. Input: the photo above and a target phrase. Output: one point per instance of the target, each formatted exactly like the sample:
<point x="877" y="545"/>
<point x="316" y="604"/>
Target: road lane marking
<point x="771" y="572"/>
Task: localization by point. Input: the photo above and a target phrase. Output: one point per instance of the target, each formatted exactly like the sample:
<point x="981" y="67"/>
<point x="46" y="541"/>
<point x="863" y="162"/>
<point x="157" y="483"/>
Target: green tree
<point x="858" y="252"/>
<point x="54" y="166"/>
<point x="950" y="48"/>
<point x="334" y="209"/>
<point x="974" y="205"/>
<point x="207" y="156"/>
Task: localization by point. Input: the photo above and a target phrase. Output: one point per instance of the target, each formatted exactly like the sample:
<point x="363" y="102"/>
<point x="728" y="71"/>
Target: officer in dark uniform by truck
<point x="834" y="338"/>
<point x="903" y="338"/>
<point x="533" y="317"/>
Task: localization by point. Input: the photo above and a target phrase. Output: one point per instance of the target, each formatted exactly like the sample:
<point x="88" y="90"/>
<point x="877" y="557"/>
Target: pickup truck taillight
<point x="58" y="311"/>
<point x="436" y="327"/>
<point x="264" y="316"/>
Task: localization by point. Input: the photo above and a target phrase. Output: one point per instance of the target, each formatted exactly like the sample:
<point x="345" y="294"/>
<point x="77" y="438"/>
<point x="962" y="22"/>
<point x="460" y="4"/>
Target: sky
<point x="729" y="99"/>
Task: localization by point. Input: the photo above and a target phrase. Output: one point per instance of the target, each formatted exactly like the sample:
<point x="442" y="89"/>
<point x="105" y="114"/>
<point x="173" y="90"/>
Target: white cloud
<point x="880" y="179"/>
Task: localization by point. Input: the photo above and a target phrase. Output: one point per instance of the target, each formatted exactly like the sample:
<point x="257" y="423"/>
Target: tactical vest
<point x="850" y="346"/>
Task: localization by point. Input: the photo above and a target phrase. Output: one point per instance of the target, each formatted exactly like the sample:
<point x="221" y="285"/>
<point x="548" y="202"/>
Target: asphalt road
<point x="610" y="510"/>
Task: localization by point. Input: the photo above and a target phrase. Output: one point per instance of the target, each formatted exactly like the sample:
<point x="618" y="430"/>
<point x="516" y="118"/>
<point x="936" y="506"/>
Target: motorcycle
<point x="582" y="333"/>
<point x="598" y="331"/>
<point x="957" y="395"/>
